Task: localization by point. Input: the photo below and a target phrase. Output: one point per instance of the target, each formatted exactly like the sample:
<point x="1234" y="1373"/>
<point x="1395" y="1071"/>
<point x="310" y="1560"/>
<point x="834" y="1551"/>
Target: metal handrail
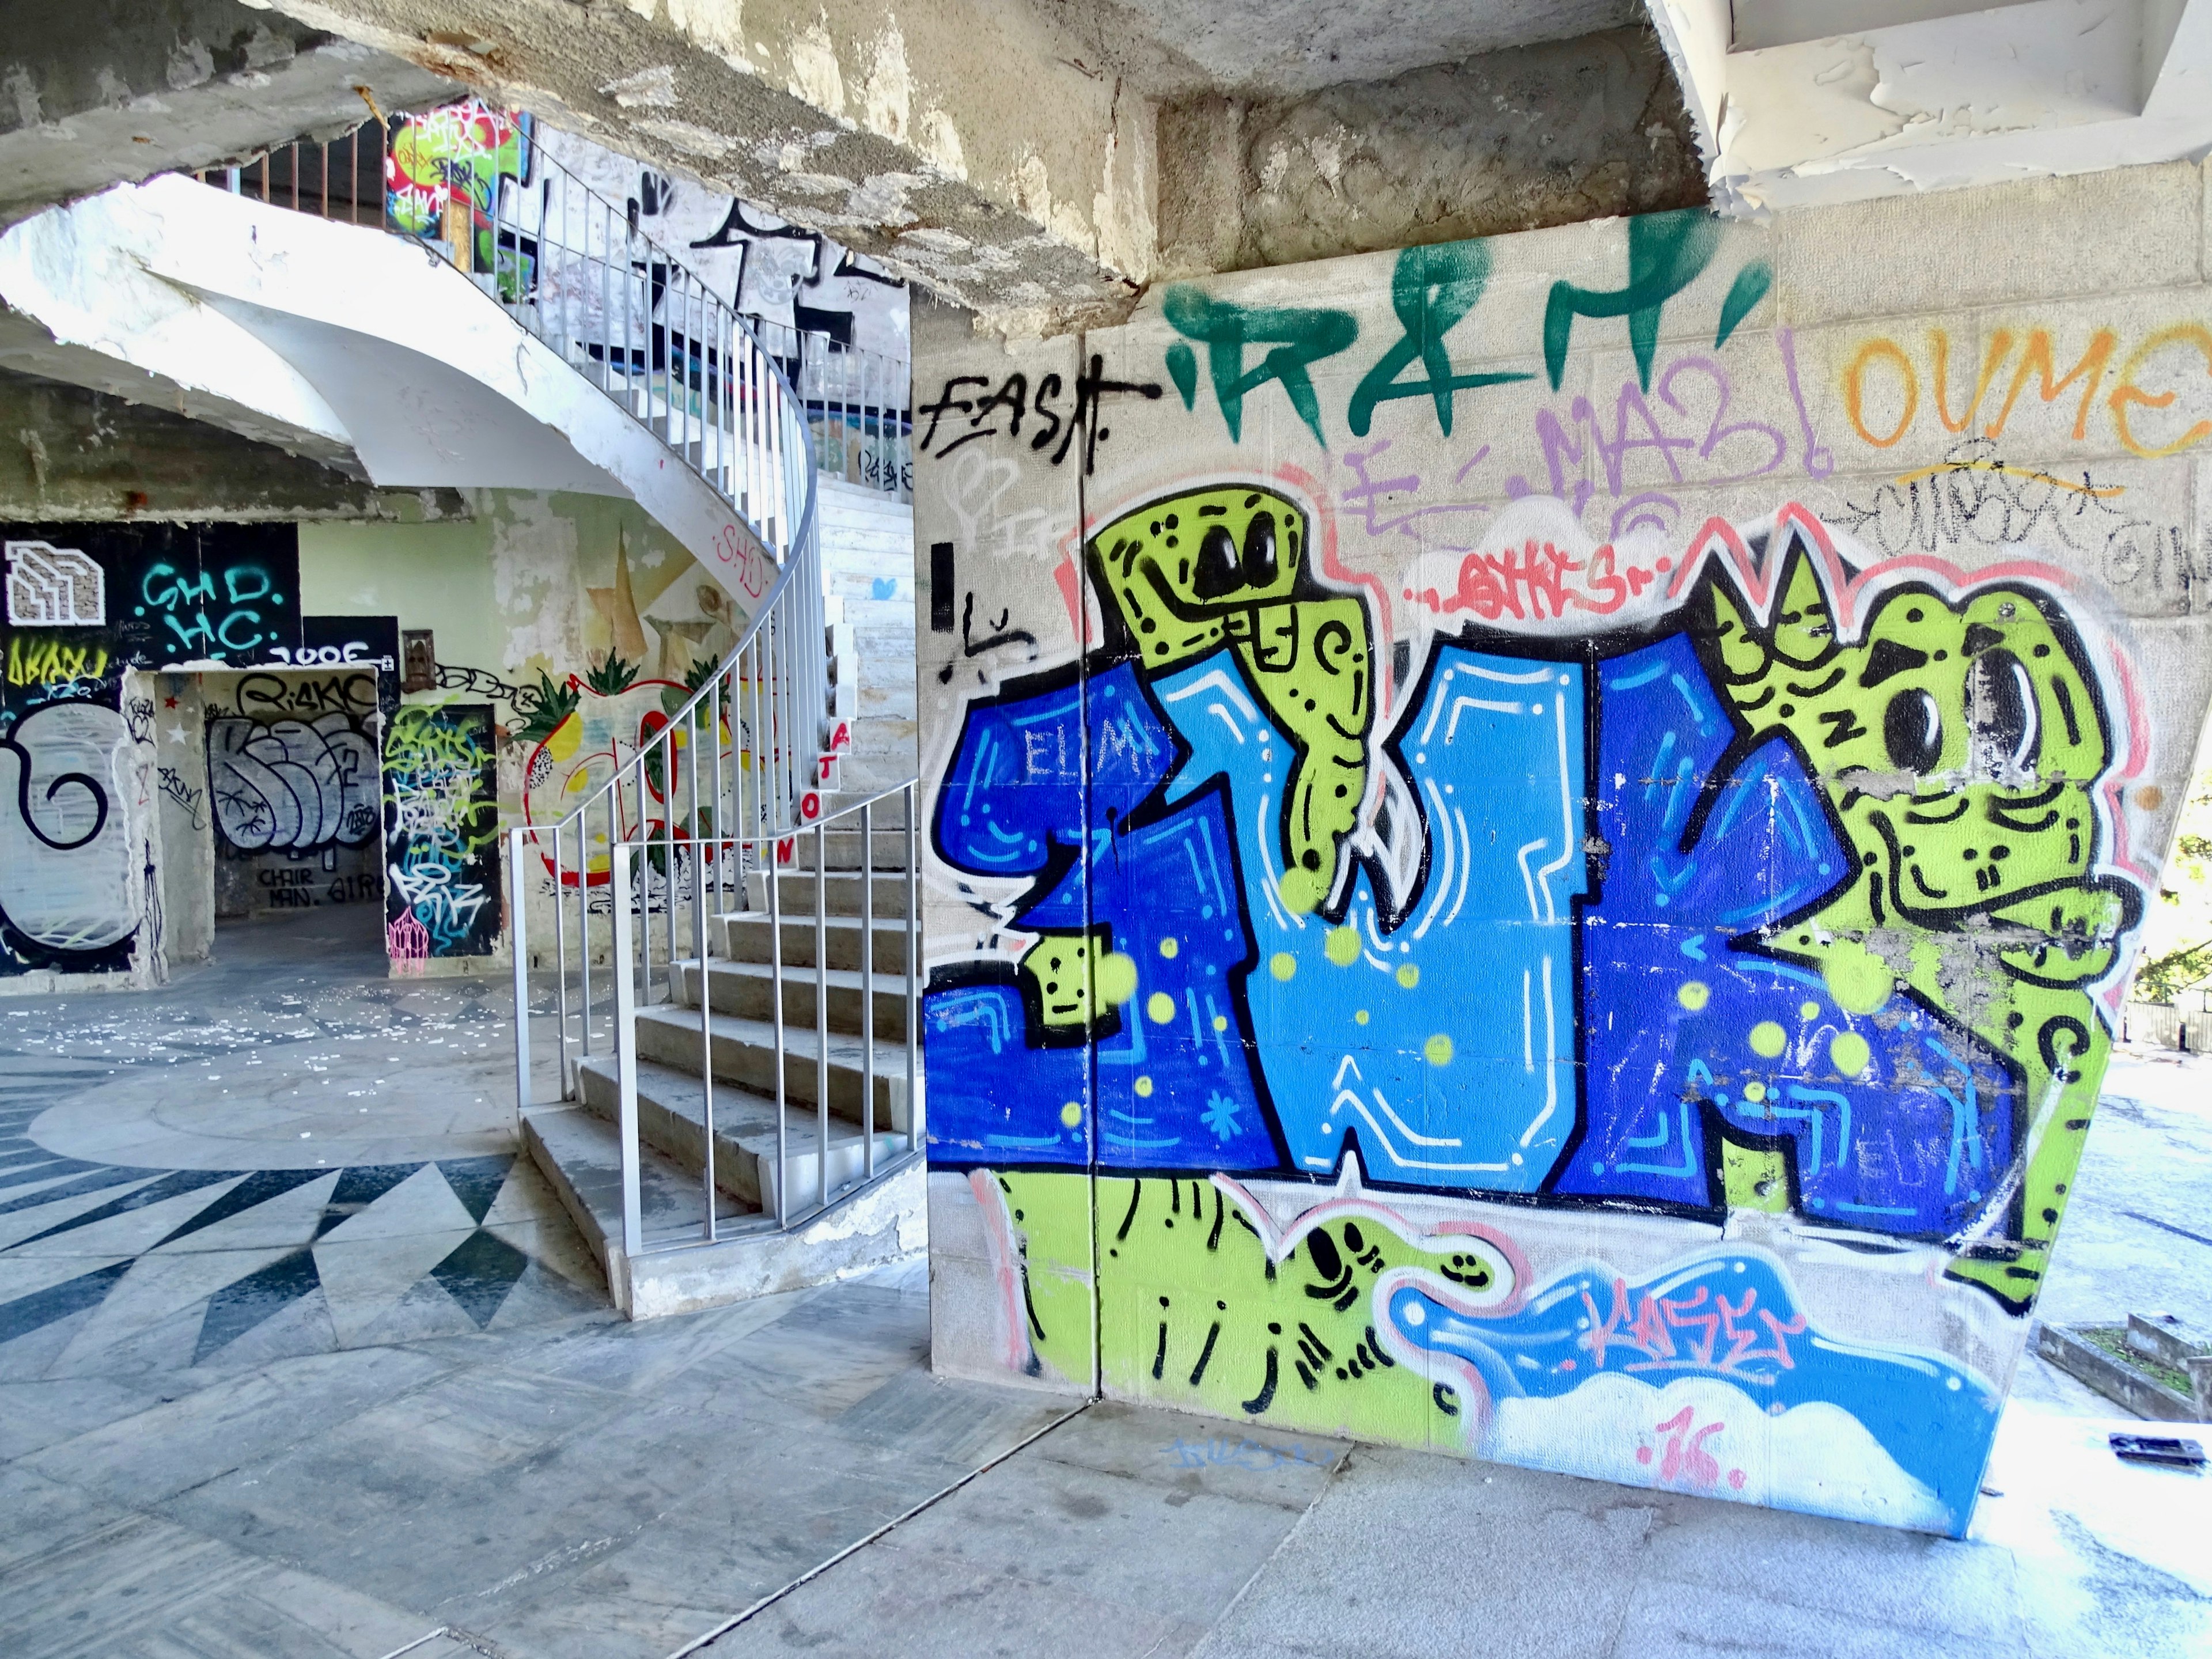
<point x="573" y="270"/>
<point x="862" y="398"/>
<point x="695" y="873"/>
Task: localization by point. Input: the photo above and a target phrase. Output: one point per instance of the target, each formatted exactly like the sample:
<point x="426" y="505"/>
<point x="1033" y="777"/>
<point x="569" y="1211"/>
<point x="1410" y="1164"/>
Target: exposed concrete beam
<point x="1511" y="140"/>
<point x="66" y="453"/>
<point x="1822" y="101"/>
<point x="976" y="145"/>
<point x="98" y="92"/>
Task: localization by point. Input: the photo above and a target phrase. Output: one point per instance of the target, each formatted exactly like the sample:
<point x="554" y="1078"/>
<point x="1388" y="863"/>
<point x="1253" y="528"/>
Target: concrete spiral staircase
<point x="578" y="1147"/>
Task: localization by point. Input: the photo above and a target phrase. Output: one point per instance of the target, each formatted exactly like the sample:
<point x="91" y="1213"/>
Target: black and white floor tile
<point x="331" y="1168"/>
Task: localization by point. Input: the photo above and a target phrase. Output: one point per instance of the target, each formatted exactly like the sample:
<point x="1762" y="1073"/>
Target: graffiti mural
<point x="1611" y="973"/>
<point x="295" y="792"/>
<point x="441" y="835"/>
<point x="442" y="173"/>
<point x="85" y="604"/>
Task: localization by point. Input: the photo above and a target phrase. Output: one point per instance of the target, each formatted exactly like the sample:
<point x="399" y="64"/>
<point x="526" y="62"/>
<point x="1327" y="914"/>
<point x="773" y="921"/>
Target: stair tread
<point x="882" y="924"/>
<point x="587" y="1148"/>
<point x="740" y="1116"/>
<point x="845" y="1048"/>
<point x="840" y="979"/>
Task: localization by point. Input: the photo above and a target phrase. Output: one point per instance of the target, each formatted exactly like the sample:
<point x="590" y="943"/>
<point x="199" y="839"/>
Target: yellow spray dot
<point x="1302" y="890"/>
<point x="1168" y="947"/>
<point x="1437" y="1050"/>
<point x="1408" y="975"/>
<point x="1694" y="995"/>
<point x="1754" y="1092"/>
<point x="1859" y="982"/>
<point x="1343" y="945"/>
<point x="1144" y="1087"/>
<point x="1849" y="1054"/>
<point x="1808" y="1011"/>
<point x="1221" y="1022"/>
<point x="1768" y="1039"/>
<point x="1117" y="976"/>
<point x="1361" y="1017"/>
<point x="1283" y="964"/>
<point x="1161" y="1006"/>
<point x="1071" y="1114"/>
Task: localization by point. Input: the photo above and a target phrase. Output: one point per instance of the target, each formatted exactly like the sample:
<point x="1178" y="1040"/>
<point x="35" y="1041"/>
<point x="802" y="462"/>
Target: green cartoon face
<point x="1959" y="743"/>
<point x="1184" y="570"/>
<point x="1223" y="565"/>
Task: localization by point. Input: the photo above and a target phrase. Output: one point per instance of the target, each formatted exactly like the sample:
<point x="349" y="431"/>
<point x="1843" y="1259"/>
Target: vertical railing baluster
<point x="560" y="962"/>
<point x="913" y="973"/>
<point x="518" y="938"/>
<point x="868" y="989"/>
<point x="776" y="1020"/>
<point x="626" y="1062"/>
<point x="822" y="1016"/>
<point x="699" y="952"/>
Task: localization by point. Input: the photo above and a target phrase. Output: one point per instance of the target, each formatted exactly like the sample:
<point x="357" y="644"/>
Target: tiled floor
<point x="282" y="1153"/>
<point x="298" y="1359"/>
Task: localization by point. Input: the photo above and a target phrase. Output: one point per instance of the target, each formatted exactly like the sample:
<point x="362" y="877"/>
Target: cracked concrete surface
<point x="433" y="1444"/>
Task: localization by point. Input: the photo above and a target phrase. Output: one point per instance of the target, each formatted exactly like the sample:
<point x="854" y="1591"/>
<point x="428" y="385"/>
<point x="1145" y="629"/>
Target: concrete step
<point x="841" y="843"/>
<point x="747" y="989"/>
<point x="746" y="937"/>
<point x="840" y="892"/>
<point x="744" y="1052"/>
<point x="581" y="1154"/>
<point x="869" y="615"/>
<point x="672" y="1119"/>
<point x="886" y="589"/>
<point x="846" y="535"/>
<point x="872" y="552"/>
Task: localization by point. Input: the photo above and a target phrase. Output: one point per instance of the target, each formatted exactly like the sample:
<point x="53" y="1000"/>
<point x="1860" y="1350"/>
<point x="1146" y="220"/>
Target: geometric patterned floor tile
<point x="480" y="1273"/>
<point x="476" y="1181"/>
<point x="240" y="1305"/>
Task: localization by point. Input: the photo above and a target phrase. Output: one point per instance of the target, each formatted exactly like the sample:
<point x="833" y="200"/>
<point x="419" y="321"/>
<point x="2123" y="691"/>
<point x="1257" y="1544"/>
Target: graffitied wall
<point x="579" y="620"/>
<point x="294" y="790"/>
<point x="1534" y="843"/>
<point x="80" y="833"/>
<point x="441" y="835"/>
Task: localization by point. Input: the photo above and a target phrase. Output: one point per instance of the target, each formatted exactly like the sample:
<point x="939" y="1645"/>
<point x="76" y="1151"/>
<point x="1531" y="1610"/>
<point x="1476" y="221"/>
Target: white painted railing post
<point x="518" y="929"/>
<point x="625" y="1046"/>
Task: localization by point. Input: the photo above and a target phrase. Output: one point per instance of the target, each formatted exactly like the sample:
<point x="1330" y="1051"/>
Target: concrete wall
<point x="1534" y="843"/>
<point x="575" y="617"/>
<point x="89" y="608"/>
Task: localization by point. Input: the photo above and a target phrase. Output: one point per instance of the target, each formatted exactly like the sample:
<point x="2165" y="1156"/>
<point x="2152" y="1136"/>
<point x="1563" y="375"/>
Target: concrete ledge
<point x="580" y="1155"/>
<point x="2115" y="1379"/>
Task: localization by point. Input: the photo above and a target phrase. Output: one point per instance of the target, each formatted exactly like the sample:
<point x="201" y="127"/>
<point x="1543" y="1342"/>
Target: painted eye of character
<point x="1260" y="550"/>
<point x="1912" y="731"/>
<point x="2000" y="714"/>
<point x="1216" y="572"/>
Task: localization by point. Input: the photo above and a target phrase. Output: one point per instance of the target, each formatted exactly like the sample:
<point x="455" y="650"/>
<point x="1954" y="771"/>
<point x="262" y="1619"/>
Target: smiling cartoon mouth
<point x="1921" y="882"/>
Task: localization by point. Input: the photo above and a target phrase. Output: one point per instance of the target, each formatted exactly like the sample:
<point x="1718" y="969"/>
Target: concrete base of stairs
<point x="580" y="1155"/>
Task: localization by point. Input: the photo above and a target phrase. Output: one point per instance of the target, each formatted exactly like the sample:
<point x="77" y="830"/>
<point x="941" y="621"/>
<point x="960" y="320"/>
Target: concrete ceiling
<point x="1043" y="161"/>
<point x="1800" y="102"/>
<point x="1273" y="48"/>
<point x="100" y="92"/>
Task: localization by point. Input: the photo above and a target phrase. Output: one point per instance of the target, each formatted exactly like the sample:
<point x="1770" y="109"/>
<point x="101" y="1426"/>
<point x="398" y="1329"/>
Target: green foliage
<point x="556" y="702"/>
<point x="612" y="676"/>
<point x="2157" y="979"/>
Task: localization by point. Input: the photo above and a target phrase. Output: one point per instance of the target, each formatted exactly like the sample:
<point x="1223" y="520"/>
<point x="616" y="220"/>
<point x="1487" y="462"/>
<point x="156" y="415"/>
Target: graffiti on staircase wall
<point x="443" y="170"/>
<point x="753" y="261"/>
<point x="1619" y="988"/>
<point x="441" y="835"/>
